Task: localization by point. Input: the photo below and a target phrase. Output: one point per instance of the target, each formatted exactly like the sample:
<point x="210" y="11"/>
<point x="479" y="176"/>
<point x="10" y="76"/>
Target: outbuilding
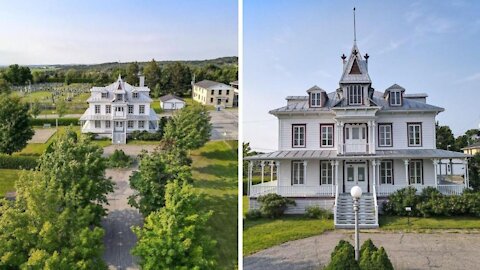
<point x="171" y="102"/>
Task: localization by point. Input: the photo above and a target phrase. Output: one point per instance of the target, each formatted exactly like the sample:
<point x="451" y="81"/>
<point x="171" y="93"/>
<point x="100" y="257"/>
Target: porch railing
<point x="451" y="189"/>
<point x="385" y="190"/>
<point x="292" y="191"/>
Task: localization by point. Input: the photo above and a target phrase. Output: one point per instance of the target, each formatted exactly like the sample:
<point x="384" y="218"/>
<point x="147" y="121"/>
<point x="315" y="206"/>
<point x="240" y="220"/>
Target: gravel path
<point x="406" y="251"/>
<point x="129" y="149"/>
<point x="42" y="135"/>
<point x="119" y="239"/>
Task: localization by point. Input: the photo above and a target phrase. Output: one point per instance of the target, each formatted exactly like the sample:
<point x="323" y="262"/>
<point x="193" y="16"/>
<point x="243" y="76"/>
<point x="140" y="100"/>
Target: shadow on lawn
<point x="219" y="171"/>
<point x="226" y="155"/>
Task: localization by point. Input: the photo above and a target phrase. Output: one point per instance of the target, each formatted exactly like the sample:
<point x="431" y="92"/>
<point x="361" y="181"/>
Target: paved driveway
<point x="224" y="124"/>
<point x="42" y="135"/>
<point x="406" y="251"/>
<point x="119" y="239"/>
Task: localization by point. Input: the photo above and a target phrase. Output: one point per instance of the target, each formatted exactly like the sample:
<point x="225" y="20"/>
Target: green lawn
<point x="140" y="142"/>
<point x="155" y="105"/>
<point x="426" y="224"/>
<point x="7" y="180"/>
<point x="215" y="174"/>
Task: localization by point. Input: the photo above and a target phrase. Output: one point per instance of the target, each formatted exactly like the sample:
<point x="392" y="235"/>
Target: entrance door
<point x="356" y="175"/>
<point x="355" y="139"/>
<point x="119" y="126"/>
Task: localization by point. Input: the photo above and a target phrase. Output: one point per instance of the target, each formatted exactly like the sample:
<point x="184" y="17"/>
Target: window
<point x="385" y="135"/>
<point x="350" y="172"/>
<point x="219" y="92"/>
<point x="130" y="124"/>
<point x="228" y="92"/>
<point x="135" y="95"/>
<point x="298" y="135"/>
<point x="141" y="109"/>
<point x="315" y="99"/>
<point x="298" y="173"/>
<point x="119" y="97"/>
<point x="415" y="172"/>
<point x="211" y="100"/>
<point x="212" y="92"/>
<point x="141" y="124"/>
<point x="98" y="124"/>
<point x="130" y="109"/>
<point x="326" y="135"/>
<point x="105" y="95"/>
<point x="355" y="94"/>
<point x="326" y="173"/>
<point x="226" y="100"/>
<point x="386" y="172"/>
<point x="414" y="134"/>
<point x="396" y="98"/>
<point x="97" y="109"/>
<point x="108" y="108"/>
<point x="107" y="124"/>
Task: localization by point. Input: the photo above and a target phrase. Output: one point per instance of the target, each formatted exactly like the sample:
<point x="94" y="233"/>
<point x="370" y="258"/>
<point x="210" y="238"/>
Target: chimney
<point x="142" y="81"/>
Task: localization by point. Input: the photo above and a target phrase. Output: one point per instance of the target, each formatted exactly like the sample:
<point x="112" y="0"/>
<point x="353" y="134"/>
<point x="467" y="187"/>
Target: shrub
<point x="366" y="251"/>
<point x="371" y="258"/>
<point x="318" y="212"/>
<point x="400" y="199"/>
<point x="274" y="205"/>
<point x="253" y="214"/>
<point x="343" y="257"/>
<point x="146" y="136"/>
<point x="119" y="160"/>
<point x="18" y="162"/>
<point x="52" y="121"/>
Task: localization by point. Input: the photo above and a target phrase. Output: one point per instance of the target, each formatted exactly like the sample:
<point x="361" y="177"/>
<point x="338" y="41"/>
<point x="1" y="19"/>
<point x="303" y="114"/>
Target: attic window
<point x="355" y="94"/>
<point x="135" y="95"/>
<point x="119" y="86"/>
<point x="315" y="99"/>
<point x="355" y="68"/>
<point x="396" y="98"/>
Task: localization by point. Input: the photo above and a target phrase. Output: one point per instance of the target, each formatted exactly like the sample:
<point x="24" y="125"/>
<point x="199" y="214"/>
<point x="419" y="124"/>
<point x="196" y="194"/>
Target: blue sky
<point x="61" y="32"/>
<point x="425" y="46"/>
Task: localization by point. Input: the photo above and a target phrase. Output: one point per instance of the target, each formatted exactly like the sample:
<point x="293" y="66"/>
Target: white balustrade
<point x="291" y="191"/>
<point x="355" y="148"/>
<point x="451" y="189"/>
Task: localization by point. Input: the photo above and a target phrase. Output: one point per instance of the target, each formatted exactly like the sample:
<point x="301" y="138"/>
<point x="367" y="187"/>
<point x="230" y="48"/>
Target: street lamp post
<point x="356" y="193"/>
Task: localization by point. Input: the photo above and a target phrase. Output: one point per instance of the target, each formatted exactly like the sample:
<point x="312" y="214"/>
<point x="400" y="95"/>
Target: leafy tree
<point x="445" y="138"/>
<point x="18" y="75"/>
<point x="190" y="128"/>
<point x="175" y="237"/>
<point x="4" y="86"/>
<point x="35" y="108"/>
<point x="15" y="129"/>
<point x="71" y="76"/>
<point x="461" y="142"/>
<point x="474" y="172"/>
<point x="61" y="107"/>
<point x="102" y="79"/>
<point x="131" y="76"/>
<point x="176" y="77"/>
<point x="247" y="151"/>
<point x="156" y="170"/>
<point x="152" y="73"/>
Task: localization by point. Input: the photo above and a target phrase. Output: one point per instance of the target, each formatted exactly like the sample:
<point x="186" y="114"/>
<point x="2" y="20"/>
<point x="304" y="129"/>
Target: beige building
<point x="472" y="149"/>
<point x="213" y="93"/>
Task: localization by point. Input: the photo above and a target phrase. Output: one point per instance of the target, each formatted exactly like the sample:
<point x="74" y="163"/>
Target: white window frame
<point x="299" y="135"/>
<point x="298" y="172"/>
<point x="97" y="109"/>
<point x="132" y="109"/>
<point x="130" y="124"/>
<point x="386" y="172"/>
<point x="316" y="99"/>
<point x="327" y="135"/>
<point x="355" y="94"/>
<point x="141" y="124"/>
<point x="414" y="131"/>
<point x="396" y="98"/>
<point x="105" y="95"/>
<point x="141" y="109"/>
<point x="98" y="124"/>
<point x="326" y="173"/>
<point x="135" y="95"/>
<point x="415" y="172"/>
<point x="385" y="135"/>
<point x="108" y="124"/>
<point x="108" y="108"/>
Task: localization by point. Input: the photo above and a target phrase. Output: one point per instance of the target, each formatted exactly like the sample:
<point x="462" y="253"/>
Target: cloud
<point x="471" y="78"/>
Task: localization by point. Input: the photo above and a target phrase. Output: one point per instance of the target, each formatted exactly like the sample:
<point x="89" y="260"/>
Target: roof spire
<point x="354" y="27"/>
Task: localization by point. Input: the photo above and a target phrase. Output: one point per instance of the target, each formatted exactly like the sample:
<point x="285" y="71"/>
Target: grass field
<point x="215" y="174"/>
<point x="7" y="180"/>
<point x="426" y="224"/>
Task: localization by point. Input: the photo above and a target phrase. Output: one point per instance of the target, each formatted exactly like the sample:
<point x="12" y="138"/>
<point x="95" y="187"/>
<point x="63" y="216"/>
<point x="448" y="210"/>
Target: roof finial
<point x="354" y="27"/>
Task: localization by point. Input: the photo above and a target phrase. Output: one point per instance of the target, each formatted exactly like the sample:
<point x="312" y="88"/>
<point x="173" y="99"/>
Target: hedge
<point x="51" y="121"/>
<point x="18" y="162"/>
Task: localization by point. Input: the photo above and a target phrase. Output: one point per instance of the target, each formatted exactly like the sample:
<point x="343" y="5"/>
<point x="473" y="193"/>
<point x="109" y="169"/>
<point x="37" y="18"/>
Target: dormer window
<point x="316" y="99"/>
<point x="105" y="95"/>
<point x="135" y="95"/>
<point x="396" y="98"/>
<point x="355" y="94"/>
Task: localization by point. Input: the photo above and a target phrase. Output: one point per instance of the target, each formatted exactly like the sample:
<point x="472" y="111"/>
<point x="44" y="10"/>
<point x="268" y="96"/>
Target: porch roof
<point x="382" y="154"/>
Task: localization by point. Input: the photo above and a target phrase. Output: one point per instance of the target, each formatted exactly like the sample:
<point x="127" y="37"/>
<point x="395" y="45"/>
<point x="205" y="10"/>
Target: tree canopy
<point x="15" y="129"/>
<point x="18" y="75"/>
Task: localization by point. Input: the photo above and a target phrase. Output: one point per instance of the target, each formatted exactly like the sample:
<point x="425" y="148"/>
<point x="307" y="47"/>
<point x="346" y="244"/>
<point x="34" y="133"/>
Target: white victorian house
<point x="118" y="109"/>
<point x="330" y="142"/>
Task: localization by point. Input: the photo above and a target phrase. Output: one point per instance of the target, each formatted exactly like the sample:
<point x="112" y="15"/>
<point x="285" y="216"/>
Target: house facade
<point x="472" y="149"/>
<point x="118" y="109"/>
<point x="329" y="142"/>
<point x="171" y="102"/>
<point x="213" y="93"/>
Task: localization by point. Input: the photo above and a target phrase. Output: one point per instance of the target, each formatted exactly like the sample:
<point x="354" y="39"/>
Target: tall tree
<point x="15" y="129"/>
<point x="176" y="78"/>
<point x="190" y="128"/>
<point x="35" y="108"/>
<point x="474" y="172"/>
<point x="61" y="107"/>
<point x="4" y="86"/>
<point x="175" y="237"/>
<point x="152" y="73"/>
<point x="18" y="75"/>
<point x="131" y="76"/>
<point x="445" y="138"/>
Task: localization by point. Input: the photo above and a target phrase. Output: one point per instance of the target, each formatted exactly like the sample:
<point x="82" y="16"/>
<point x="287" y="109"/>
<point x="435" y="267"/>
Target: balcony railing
<point x="355" y="148"/>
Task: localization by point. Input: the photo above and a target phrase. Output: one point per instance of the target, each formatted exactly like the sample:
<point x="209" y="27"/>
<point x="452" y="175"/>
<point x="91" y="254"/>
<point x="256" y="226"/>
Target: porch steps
<point x="345" y="216"/>
<point x="119" y="138"/>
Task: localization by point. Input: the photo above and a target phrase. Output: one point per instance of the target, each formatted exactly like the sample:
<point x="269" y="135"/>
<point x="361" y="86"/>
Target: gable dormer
<point x="317" y="97"/>
<point x="394" y="95"/>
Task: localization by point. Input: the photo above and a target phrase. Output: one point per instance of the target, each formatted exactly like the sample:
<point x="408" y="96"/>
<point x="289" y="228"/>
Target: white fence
<point x="385" y="190"/>
<point x="451" y="189"/>
<point x="292" y="191"/>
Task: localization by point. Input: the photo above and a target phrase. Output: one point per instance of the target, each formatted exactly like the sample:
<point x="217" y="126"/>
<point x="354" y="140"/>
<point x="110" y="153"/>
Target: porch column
<point x="374" y="136"/>
<point x="340" y="137"/>
<point x="262" y="164"/>
<point x="305" y="171"/>
<point x="406" y="161"/>
<point x="465" y="177"/>
<point x="277" y="163"/>
<point x="271" y="170"/>
<point x="250" y="172"/>
<point x="336" y="173"/>
<point x="435" y="167"/>
<point x="374" y="172"/>
<point x="370" y="136"/>
<point x="332" y="163"/>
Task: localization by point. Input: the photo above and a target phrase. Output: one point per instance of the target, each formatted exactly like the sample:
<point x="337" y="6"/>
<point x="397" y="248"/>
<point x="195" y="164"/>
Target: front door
<point x="119" y="126"/>
<point x="356" y="175"/>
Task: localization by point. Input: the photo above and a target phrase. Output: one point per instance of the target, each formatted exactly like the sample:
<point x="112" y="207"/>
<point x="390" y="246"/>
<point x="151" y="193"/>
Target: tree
<point x="176" y="78"/>
<point x="18" y="75"/>
<point x="35" y="108"/>
<point x="4" y="86"/>
<point x="474" y="172"/>
<point x="71" y="76"/>
<point x="190" y="128"/>
<point x="131" y="76"/>
<point x="156" y="170"/>
<point x="61" y="107"/>
<point x="175" y="237"/>
<point x="343" y="257"/>
<point x="15" y="129"/>
<point x="152" y="73"/>
<point x="445" y="138"/>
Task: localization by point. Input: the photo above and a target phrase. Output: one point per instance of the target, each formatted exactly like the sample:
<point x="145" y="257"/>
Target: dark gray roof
<point x="378" y="99"/>
<point x="169" y="97"/>
<point x="207" y="84"/>
<point x="332" y="154"/>
<point x="473" y="145"/>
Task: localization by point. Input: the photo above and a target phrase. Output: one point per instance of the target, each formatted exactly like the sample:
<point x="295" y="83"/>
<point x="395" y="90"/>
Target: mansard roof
<point x="119" y="85"/>
<point x="378" y="99"/>
<point x="355" y="70"/>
